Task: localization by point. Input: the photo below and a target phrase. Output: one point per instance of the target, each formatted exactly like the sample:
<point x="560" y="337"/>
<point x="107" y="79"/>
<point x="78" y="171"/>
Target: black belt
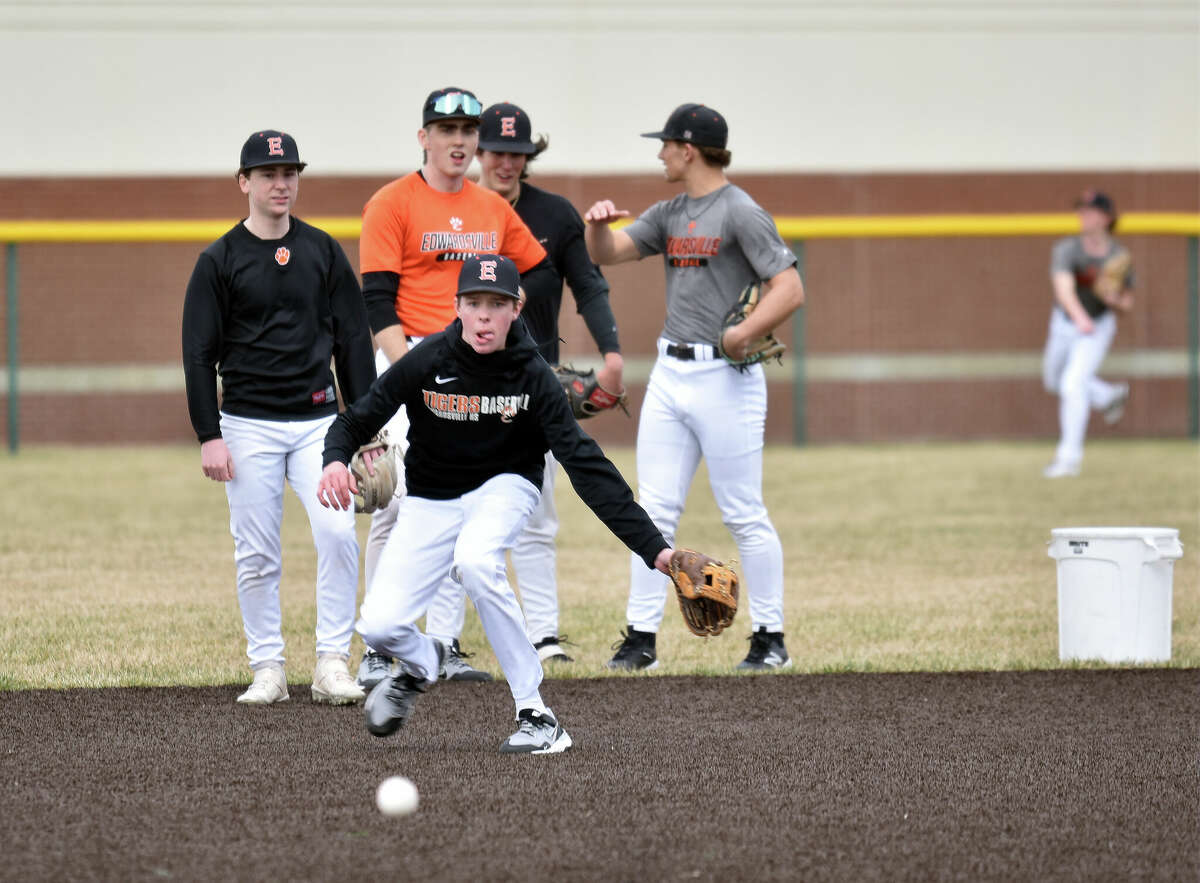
<point x="683" y="351"/>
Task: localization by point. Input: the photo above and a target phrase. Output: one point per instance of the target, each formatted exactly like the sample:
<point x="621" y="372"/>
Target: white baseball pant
<point x="534" y="560"/>
<point x="464" y="539"/>
<point x="705" y="408"/>
<point x="448" y="607"/>
<point x="1069" y="368"/>
<point x="266" y="453"/>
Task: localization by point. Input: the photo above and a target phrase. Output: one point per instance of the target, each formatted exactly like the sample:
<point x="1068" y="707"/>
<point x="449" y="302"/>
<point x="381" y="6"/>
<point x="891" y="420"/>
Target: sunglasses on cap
<point x="455" y="101"/>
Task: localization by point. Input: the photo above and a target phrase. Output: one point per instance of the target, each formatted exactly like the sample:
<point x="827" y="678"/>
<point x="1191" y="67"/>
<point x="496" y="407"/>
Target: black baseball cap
<point x="451" y="103"/>
<point x="492" y="273"/>
<point x="505" y="128"/>
<point x="270" y="148"/>
<point x="1097" y="200"/>
<point x="695" y="124"/>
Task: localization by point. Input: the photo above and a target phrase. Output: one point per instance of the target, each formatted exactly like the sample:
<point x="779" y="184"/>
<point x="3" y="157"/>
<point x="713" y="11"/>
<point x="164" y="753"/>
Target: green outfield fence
<point x="797" y="230"/>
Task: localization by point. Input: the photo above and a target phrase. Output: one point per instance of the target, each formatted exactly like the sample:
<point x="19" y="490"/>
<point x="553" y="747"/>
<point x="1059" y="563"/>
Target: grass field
<point x="118" y="566"/>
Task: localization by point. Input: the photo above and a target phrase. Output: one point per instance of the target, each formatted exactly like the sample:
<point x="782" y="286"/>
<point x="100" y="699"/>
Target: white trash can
<point x="1114" y="592"/>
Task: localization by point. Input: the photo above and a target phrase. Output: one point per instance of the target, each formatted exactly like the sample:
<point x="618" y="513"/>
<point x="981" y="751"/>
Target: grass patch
<point x="897" y="558"/>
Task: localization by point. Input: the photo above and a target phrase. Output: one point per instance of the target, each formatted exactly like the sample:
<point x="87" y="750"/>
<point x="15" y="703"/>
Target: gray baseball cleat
<point x="373" y="669"/>
<point x="1116" y="408"/>
<point x="536" y="733"/>
<point x="454" y="667"/>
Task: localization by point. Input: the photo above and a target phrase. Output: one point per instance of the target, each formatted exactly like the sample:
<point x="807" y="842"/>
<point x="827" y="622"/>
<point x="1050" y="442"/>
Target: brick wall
<point x="119" y="304"/>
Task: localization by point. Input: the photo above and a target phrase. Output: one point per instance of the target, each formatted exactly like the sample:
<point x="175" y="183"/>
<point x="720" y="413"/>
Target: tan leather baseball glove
<point x="1113" y="275"/>
<point x="758" y="350"/>
<point x="375" y="491"/>
<point x="707" y="591"/>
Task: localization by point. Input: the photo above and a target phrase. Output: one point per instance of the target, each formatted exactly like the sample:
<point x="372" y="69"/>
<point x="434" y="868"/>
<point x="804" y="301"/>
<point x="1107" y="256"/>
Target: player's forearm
<point x="601" y="324"/>
<point x="782" y="295"/>
<point x="608" y="246"/>
<point x="599" y="240"/>
<point x="1065" y="295"/>
<point x="392" y="341"/>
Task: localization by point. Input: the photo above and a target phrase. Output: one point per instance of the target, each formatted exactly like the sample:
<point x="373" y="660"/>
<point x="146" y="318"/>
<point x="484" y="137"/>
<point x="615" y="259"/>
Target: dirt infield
<point x="1046" y="775"/>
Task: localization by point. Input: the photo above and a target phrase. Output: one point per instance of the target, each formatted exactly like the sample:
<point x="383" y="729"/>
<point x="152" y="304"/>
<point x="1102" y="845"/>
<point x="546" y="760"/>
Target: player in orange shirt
<point x="416" y="233"/>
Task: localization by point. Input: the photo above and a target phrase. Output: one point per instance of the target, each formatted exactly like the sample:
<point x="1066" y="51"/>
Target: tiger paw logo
<point x="456" y="224"/>
<point x="282" y="256"/>
<point x="508" y="413"/>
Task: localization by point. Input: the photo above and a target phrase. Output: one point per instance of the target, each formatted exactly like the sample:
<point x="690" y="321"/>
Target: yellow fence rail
<point x="810" y="227"/>
<point x="797" y="230"/>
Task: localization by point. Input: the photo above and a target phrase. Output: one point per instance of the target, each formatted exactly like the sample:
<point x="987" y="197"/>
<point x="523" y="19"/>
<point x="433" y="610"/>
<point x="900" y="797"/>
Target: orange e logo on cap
<point x="274" y="147"/>
<point x="508" y="127"/>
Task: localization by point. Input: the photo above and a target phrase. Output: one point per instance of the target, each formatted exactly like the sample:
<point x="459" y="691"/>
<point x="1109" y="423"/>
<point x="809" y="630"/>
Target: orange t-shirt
<point x="424" y="235"/>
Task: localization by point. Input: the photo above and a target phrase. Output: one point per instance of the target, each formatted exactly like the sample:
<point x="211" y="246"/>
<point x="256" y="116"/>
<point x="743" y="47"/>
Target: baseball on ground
<point x="396" y="796"/>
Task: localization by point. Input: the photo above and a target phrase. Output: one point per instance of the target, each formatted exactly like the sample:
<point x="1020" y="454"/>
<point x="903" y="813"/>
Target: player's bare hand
<point x="663" y="561"/>
<point x="337" y="487"/>
<point x="369" y="457"/>
<point x="215" y="460"/>
<point x="604" y="212"/>
<point x="1084" y="324"/>
<point x="1122" y="302"/>
<point x="611" y="376"/>
<point x="734" y="342"/>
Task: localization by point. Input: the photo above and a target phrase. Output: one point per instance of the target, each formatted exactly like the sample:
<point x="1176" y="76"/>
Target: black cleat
<point x="635" y="651"/>
<point x="390" y="702"/>
<point x="766" y="652"/>
<point x="550" y="649"/>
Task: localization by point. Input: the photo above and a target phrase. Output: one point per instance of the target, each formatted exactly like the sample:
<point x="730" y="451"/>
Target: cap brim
<point x="487" y="291"/>
<point x="507" y="147"/>
<point x="662" y="135"/>
<point x="298" y="166"/>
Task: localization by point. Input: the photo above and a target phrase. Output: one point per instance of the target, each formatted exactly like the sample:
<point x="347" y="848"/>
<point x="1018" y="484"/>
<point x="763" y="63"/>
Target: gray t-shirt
<point x="1068" y="256"/>
<point x="712" y="248"/>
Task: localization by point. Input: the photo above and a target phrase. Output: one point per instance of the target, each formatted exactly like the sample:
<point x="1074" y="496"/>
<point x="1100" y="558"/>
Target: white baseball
<point x="396" y="796"/>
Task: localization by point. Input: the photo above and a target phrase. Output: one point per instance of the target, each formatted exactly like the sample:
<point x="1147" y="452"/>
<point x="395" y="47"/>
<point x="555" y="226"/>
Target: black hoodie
<point x="473" y="416"/>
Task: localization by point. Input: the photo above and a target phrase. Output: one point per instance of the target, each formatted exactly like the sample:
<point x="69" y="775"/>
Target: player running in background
<point x="714" y="240"/>
<point x="506" y="148"/>
<point x="1083" y="322"/>
<point x="483" y="408"/>
<point x="268" y="305"/>
<point x="416" y="233"/>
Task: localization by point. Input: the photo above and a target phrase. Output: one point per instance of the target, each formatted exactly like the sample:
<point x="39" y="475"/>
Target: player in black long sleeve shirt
<point x="268" y="306"/>
<point x="483" y="409"/>
<point x="270" y="328"/>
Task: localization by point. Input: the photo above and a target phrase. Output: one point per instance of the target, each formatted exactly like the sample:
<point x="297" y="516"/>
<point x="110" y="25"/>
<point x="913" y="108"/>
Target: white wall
<point x="174" y="87"/>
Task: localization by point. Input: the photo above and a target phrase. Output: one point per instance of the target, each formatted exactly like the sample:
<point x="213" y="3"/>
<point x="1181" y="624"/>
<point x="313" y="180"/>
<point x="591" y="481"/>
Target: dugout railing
<point x="796" y="230"/>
